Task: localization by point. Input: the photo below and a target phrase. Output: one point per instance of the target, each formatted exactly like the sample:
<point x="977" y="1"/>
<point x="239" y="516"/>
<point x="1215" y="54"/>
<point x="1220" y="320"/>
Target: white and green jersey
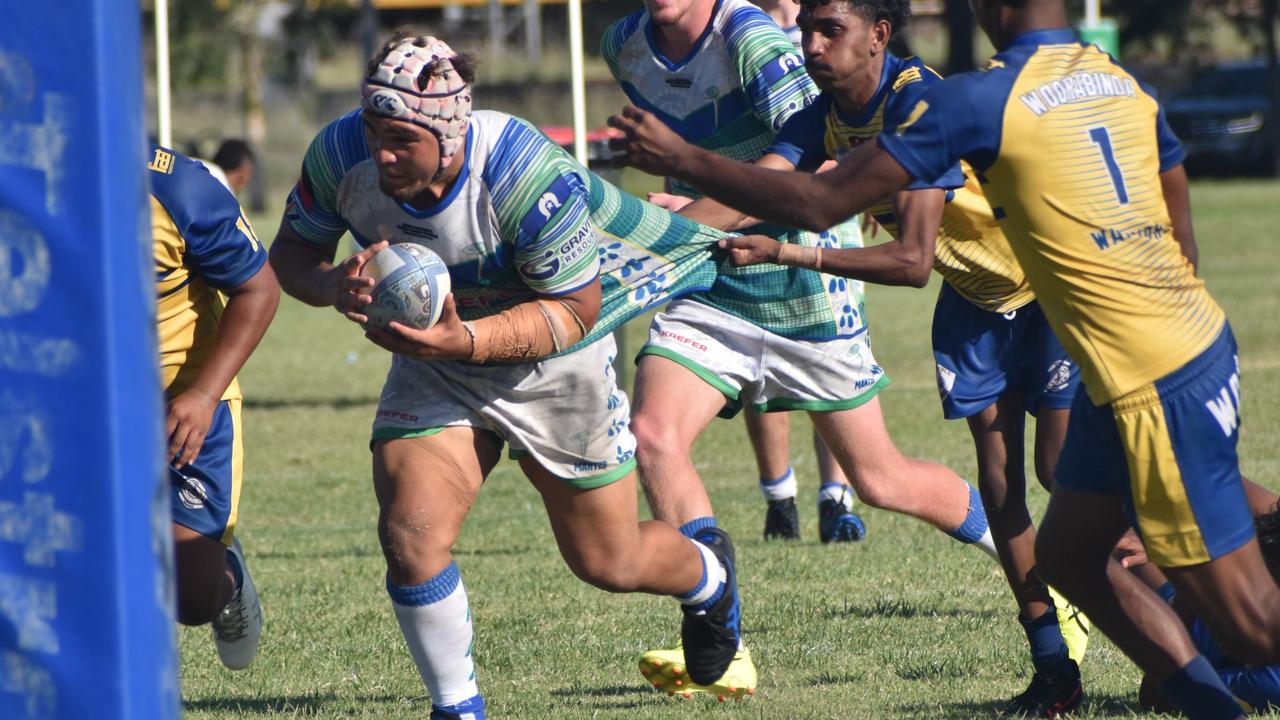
<point x="731" y="95"/>
<point x="523" y="219"/>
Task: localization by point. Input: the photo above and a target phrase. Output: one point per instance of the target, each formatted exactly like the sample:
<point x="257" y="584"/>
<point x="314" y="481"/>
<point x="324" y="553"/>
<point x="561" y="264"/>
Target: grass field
<point x="906" y="624"/>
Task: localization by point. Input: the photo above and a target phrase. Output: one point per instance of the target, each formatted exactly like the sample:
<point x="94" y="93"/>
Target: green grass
<point x="906" y="624"/>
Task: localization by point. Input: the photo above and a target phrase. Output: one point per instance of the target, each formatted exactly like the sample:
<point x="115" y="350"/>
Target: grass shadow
<point x="898" y="608"/>
<point x="616" y="697"/>
<point x="1093" y="705"/>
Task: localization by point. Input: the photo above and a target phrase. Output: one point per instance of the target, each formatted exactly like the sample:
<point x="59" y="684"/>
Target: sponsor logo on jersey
<point x="548" y="204"/>
<point x="1225" y="406"/>
<point x="906" y="77"/>
<point x="193" y="494"/>
<point x="946" y="381"/>
<point x="541" y="268"/>
<point x="684" y="340"/>
<point x="587" y="466"/>
<point x="679" y="82"/>
<point x="1059" y="376"/>
<point x="1077" y="87"/>
<point x="784" y="65"/>
<point x="417" y="231"/>
<point x="577" y="246"/>
<point x="161" y="162"/>
<point x="544" y="208"/>
<point x="397" y="415"/>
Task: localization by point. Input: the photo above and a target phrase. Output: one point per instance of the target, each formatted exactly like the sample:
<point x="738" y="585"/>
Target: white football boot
<point x="238" y="627"/>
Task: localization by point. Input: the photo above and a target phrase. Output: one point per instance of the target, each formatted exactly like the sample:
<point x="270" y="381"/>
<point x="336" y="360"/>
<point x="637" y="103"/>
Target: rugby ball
<point x="410" y="284"/>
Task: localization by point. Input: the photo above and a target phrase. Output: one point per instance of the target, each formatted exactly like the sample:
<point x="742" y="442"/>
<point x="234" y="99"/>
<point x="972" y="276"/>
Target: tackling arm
<point x="906" y="260"/>
<point x="811" y="202"/>
<point x="716" y="214"/>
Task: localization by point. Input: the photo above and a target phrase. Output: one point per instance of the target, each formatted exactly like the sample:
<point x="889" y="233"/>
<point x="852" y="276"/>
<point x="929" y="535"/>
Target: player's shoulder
<point x="987" y="88"/>
<point x="496" y="131"/>
<point x="342" y="136"/>
<point x="621" y="30"/>
<point x="186" y="190"/>
<point x="746" y="28"/>
<point x="906" y="79"/>
<point x="734" y="15"/>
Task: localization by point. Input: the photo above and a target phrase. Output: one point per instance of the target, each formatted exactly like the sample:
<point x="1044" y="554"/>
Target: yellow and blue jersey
<point x="1069" y="147"/>
<point x="971" y="253"/>
<point x="203" y="244"/>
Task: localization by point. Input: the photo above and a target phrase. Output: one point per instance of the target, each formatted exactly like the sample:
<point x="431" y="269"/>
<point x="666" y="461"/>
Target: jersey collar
<point x="1053" y="36"/>
<point x="676" y="65"/>
<point x="892" y="64"/>
<point x="458" y="182"/>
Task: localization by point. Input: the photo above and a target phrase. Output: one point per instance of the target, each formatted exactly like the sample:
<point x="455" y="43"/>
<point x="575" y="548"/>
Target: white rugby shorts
<point x="752" y="366"/>
<point x="567" y="412"/>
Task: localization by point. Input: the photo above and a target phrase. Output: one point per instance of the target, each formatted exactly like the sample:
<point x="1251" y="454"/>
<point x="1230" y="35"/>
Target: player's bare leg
<point x="1236" y="596"/>
<point x="672" y="406"/>
<point x="770" y="435"/>
<point x="605" y="544"/>
<point x="998" y="432"/>
<point x="1074" y="554"/>
<point x="425" y="487"/>
<point x="884" y="478"/>
<point x="214" y="586"/>
<point x="837" y="522"/>
<point x="204" y="581"/>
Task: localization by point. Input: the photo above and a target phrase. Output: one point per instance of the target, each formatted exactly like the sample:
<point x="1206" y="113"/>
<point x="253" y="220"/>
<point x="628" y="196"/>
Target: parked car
<point x="1224" y="120"/>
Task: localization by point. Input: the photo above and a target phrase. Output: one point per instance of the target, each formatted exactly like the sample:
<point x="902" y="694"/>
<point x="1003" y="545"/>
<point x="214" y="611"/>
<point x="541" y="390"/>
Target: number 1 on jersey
<point x="1102" y="139"/>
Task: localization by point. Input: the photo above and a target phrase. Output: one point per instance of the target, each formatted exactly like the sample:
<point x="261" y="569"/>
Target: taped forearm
<point x="526" y="332"/>
<point x="800" y="256"/>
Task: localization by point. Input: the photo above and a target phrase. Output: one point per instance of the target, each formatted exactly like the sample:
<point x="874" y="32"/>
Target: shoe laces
<point x="232" y="623"/>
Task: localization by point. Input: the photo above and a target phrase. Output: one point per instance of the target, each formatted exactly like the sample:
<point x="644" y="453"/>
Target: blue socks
<point x="697" y="525"/>
<point x="974" y="526"/>
<point x="1198" y="690"/>
<point x="1048" y="649"/>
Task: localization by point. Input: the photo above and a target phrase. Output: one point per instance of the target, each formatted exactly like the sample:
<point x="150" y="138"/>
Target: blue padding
<point x="86" y="594"/>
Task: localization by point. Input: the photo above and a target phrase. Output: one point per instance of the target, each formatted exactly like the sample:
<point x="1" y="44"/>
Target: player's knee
<point x="605" y="572"/>
<point x="656" y="438"/>
<point x="875" y="492"/>
<point x="408" y="545"/>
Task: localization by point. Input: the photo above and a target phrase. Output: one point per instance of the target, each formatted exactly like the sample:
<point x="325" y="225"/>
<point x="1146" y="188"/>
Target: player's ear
<point x="881" y="31"/>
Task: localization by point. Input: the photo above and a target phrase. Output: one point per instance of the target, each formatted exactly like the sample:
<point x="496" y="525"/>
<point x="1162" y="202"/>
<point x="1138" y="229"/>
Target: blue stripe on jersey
<point x="311" y="209"/>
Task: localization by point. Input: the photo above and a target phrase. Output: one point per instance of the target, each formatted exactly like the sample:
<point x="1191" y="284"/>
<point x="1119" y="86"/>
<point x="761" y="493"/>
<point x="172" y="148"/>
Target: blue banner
<point x="86" y="620"/>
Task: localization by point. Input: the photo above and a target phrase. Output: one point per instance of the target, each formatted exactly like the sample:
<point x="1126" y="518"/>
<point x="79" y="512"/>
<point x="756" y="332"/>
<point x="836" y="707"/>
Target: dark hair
<point x="894" y="12"/>
<point x="463" y="63"/>
<point x="1268" y="525"/>
<point x="232" y="153"/>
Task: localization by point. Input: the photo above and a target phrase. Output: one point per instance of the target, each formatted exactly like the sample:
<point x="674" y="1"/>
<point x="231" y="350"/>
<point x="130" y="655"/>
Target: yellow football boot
<point x="665" y="671"/>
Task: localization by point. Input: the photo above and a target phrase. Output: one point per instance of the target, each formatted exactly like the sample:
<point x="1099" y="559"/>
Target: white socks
<point x="436" y="622"/>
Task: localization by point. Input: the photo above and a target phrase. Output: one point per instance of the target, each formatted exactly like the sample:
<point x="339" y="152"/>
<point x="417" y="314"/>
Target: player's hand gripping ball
<point x="410" y="285"/>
